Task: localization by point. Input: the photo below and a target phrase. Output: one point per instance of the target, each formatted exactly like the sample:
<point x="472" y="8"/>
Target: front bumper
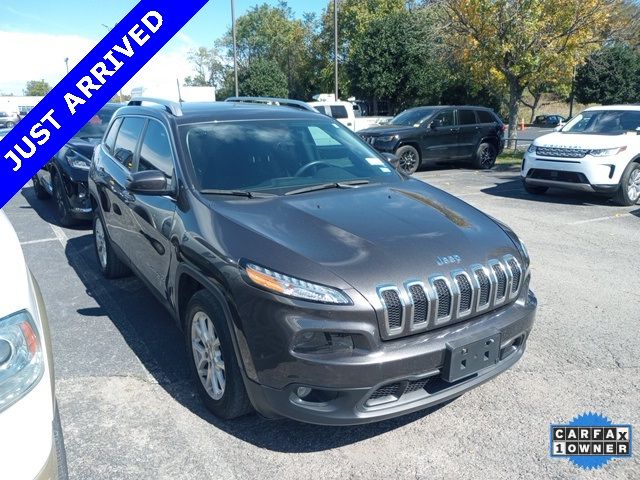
<point x="346" y="390"/>
<point x="588" y="174"/>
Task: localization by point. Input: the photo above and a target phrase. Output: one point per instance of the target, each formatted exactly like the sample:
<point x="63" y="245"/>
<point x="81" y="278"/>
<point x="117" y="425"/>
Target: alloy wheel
<point x="409" y="162"/>
<point x="486" y="159"/>
<point x="207" y="355"/>
<point x="633" y="187"/>
<point x="101" y="243"/>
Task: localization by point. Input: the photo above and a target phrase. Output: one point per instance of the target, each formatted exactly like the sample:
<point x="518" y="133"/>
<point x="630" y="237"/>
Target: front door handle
<point x="455" y="130"/>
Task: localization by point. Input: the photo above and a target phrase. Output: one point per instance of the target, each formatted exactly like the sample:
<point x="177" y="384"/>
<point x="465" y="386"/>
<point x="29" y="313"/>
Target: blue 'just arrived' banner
<point x="91" y="84"/>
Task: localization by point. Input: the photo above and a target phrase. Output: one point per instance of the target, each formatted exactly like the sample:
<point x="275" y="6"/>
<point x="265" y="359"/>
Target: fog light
<point x="323" y="342"/>
<point x="302" y="392"/>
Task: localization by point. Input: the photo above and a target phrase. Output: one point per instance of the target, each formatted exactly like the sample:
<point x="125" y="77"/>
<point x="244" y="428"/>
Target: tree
<point x="609" y="76"/>
<point x="395" y="58"/>
<point x="36" y="88"/>
<point x="262" y="78"/>
<point x="273" y="34"/>
<point x="208" y="68"/>
<point x="518" y="40"/>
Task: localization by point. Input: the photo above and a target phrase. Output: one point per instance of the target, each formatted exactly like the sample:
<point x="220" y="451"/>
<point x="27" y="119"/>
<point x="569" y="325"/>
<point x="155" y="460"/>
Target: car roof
<point x="631" y="108"/>
<point x="201" y="112"/>
<point x="441" y="107"/>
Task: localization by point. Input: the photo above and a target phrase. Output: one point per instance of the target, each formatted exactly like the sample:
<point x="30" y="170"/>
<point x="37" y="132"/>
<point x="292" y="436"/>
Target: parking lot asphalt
<point x="130" y="411"/>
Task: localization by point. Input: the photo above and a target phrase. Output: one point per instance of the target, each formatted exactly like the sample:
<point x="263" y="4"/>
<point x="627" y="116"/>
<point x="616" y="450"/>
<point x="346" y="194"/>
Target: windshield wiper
<point x="327" y="186"/>
<point x="236" y="193"/>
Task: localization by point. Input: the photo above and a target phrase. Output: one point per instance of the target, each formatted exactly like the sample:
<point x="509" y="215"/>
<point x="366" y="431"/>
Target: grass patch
<point x="509" y="158"/>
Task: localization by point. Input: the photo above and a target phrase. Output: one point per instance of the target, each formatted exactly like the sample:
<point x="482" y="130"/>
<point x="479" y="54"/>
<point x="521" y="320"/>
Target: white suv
<point x="597" y="151"/>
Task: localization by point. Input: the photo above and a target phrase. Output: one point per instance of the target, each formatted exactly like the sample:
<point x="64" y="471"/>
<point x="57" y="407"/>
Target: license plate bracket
<point x="468" y="356"/>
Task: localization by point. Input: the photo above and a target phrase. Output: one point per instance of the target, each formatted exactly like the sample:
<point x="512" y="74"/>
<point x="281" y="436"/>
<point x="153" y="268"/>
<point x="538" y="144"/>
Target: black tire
<point x="110" y="265"/>
<point x="234" y="401"/>
<point x="534" y="189"/>
<point x="61" y="453"/>
<point x="630" y="176"/>
<point x="409" y="159"/>
<point x="10" y="124"/>
<point x="41" y="193"/>
<point x="62" y="203"/>
<point x="485" y="157"/>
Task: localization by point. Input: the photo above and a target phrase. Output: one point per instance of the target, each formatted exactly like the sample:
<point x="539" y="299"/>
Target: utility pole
<point x="335" y="47"/>
<point x="573" y="87"/>
<point x="66" y="62"/>
<point x="235" y="47"/>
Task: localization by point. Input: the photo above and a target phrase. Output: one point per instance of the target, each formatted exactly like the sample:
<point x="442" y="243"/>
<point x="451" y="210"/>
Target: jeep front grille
<point x="560" y="152"/>
<point x="419" y="306"/>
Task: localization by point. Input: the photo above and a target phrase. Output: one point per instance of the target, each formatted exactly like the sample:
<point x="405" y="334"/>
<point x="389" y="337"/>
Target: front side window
<point x="278" y="156"/>
<point x="339" y="111"/>
<point x="155" y="152"/>
<point x="127" y="140"/>
<point x="110" y="141"/>
<point x="444" y="119"/>
<point x="604" y="122"/>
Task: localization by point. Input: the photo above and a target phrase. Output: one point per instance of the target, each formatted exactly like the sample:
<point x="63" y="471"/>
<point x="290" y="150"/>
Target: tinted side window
<point x="110" y="140"/>
<point x="155" y="153"/>
<point x="127" y="140"/>
<point x="339" y="111"/>
<point x="444" y="119"/>
<point x="467" y="117"/>
<point x="485" y="117"/>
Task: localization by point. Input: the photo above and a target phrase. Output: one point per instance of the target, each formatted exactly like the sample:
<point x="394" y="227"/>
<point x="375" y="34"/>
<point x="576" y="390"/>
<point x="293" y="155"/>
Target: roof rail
<point x="282" y="102"/>
<point x="174" y="108"/>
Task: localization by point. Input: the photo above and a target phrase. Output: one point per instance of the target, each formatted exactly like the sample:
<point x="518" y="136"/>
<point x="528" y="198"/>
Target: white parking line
<point x="42" y="240"/>
<point x="600" y="219"/>
<point x="60" y="235"/>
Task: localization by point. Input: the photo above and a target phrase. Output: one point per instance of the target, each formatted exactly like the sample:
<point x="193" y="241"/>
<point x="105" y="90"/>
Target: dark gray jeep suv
<point x="277" y="240"/>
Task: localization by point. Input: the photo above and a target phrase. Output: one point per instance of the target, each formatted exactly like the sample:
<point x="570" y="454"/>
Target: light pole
<point x="108" y="30"/>
<point x="66" y="62"/>
<point x="235" y="47"/>
<point x="335" y="46"/>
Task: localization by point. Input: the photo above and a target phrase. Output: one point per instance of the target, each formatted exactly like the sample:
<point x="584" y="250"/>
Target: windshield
<point x="604" y="122"/>
<point x="278" y="156"/>
<point x="98" y="124"/>
<point x="414" y="116"/>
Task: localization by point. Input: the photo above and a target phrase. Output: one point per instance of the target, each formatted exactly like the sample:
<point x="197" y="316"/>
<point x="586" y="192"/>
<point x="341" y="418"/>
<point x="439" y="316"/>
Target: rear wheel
<point x="213" y="359"/>
<point x="485" y="157"/>
<point x="41" y="192"/>
<point x="629" y="190"/>
<point x="10" y="124"/>
<point x="535" y="189"/>
<point x="62" y="203"/>
<point x="409" y="159"/>
<point x="110" y="265"/>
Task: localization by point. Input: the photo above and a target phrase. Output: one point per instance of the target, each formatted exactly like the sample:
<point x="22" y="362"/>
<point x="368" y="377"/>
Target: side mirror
<point x="394" y="160"/>
<point x="151" y="182"/>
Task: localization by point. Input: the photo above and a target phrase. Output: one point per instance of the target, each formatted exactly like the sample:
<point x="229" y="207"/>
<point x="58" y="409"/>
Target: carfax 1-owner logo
<point x="590" y="441"/>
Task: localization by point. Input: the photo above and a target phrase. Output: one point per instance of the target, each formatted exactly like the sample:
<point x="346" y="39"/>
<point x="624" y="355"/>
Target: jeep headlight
<point x="294" y="287"/>
<point x="607" y="152"/>
<point x="531" y="149"/>
<point x="387" y="138"/>
<point x="21" y="359"/>
<point x="78" y="161"/>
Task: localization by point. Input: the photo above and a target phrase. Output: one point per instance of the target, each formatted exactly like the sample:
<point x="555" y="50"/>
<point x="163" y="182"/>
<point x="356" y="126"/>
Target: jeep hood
<point x="367" y="236"/>
<point x="388" y="130"/>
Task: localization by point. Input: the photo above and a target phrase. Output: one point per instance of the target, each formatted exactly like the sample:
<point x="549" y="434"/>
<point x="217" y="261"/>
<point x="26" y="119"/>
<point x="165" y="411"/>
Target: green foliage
<point x="610" y="75"/>
<point x="263" y="78"/>
<point x="36" y="88"/>
<point x="208" y="68"/>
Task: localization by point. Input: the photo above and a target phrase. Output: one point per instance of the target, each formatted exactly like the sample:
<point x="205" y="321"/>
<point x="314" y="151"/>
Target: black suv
<point x="433" y="134"/>
<point x="65" y="176"/>
<point x="272" y="236"/>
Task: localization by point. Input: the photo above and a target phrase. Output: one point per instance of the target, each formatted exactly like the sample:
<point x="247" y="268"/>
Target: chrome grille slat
<point x="561" y="152"/>
<point x="445" y="299"/>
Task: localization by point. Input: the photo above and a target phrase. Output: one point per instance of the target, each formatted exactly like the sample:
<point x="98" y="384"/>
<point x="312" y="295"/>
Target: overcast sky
<point x="37" y="35"/>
